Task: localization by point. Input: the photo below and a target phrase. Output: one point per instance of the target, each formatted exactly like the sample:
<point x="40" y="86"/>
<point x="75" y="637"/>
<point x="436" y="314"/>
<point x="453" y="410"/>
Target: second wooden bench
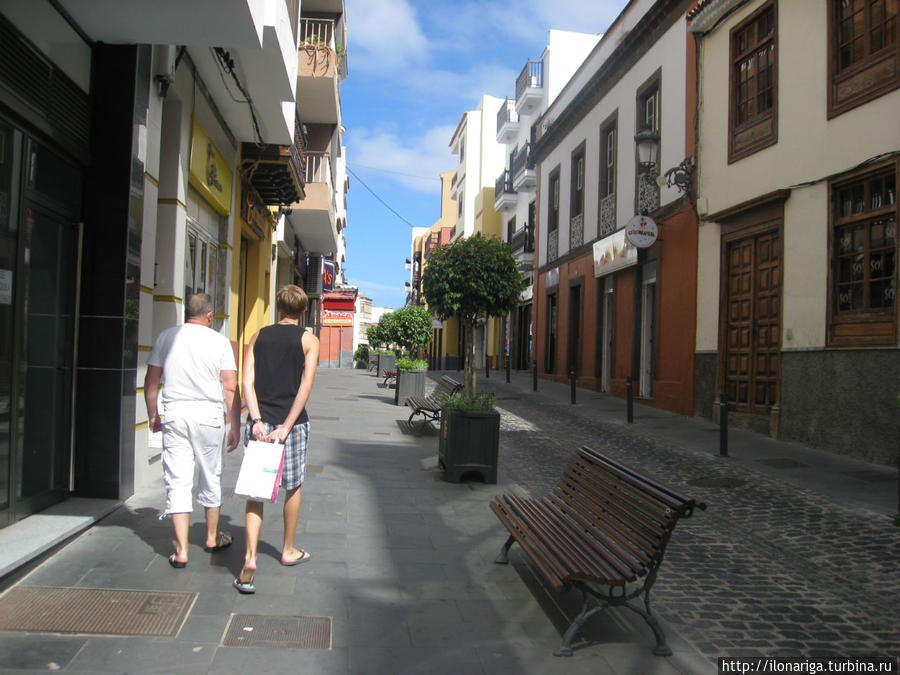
<point x="430" y="406"/>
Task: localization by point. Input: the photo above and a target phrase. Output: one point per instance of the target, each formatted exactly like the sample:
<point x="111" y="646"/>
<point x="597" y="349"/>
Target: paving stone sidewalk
<point x="772" y="568"/>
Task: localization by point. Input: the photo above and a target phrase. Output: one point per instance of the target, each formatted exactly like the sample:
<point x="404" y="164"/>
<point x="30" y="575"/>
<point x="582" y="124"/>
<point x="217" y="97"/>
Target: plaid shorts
<point x="294" y="472"/>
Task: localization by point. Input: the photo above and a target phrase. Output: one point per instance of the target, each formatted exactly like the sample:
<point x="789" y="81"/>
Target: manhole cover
<point x="717" y="482"/>
<point x="290" y="632"/>
<point x="97" y="611"/>
<point x="871" y="476"/>
<point x="782" y="463"/>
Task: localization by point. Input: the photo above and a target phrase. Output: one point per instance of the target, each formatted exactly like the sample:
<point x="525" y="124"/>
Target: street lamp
<point x="647" y="143"/>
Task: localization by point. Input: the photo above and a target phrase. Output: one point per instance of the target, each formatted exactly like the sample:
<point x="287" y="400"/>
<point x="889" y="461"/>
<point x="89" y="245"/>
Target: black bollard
<point x="534" y="374"/>
<point x="487" y="366"/>
<point x="629" y="400"/>
<point x="572" y="384"/>
<point x="507" y="369"/>
<point x="723" y="425"/>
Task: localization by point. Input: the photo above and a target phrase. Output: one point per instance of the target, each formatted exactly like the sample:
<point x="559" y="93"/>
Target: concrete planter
<point x="469" y="443"/>
<point x="386" y="362"/>
<point x="409" y="383"/>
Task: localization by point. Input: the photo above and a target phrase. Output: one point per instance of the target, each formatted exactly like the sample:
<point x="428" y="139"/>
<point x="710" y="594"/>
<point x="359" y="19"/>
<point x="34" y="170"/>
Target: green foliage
<point x="483" y="402"/>
<point x="373" y="335"/>
<point x="412" y="328"/>
<point x="387" y="328"/>
<point x="412" y="364"/>
<point x="361" y="355"/>
<point x="472" y="277"/>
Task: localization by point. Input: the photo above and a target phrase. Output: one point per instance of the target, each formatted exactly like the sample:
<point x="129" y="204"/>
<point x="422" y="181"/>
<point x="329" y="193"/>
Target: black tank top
<point x="278" y="363"/>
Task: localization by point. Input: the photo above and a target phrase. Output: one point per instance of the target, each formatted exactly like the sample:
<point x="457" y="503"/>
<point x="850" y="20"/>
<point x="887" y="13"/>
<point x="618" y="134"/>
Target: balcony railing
<point x="522" y="160"/>
<point x="576" y="231"/>
<point x="503" y="185"/>
<point x="507" y="113"/>
<point x="552" y="245"/>
<point x="532" y="76"/>
<point x="275" y="171"/>
<point x="523" y="240"/>
<point x="317" y="32"/>
<point x="318" y="168"/>
<point x="607" y="224"/>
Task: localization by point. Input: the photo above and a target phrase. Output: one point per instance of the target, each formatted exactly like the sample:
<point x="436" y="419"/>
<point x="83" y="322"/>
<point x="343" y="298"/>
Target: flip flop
<point x="177" y="564"/>
<point x="245" y="587"/>
<point x="224" y="540"/>
<point x="304" y="556"/>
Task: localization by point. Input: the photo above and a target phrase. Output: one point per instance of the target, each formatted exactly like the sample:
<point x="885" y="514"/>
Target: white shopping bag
<point x="260" y="474"/>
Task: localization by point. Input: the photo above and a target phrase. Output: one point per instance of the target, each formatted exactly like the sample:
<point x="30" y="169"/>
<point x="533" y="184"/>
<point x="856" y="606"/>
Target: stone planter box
<point x="469" y="443"/>
<point x="386" y="362"/>
<point x="409" y="383"/>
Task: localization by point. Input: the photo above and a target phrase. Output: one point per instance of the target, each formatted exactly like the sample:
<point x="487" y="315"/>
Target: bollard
<point x="629" y="400"/>
<point x="487" y="366"/>
<point x="507" y="369"/>
<point x="572" y="384"/>
<point x="534" y="373"/>
<point x="723" y="425"/>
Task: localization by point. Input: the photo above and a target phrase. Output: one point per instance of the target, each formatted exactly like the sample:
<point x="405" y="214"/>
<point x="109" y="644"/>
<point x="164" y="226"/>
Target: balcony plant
<point x="468" y="279"/>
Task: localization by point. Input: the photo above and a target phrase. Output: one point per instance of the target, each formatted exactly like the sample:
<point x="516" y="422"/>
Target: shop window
<point x="753" y="121"/>
<point x="863" y="43"/>
<point x="864" y="255"/>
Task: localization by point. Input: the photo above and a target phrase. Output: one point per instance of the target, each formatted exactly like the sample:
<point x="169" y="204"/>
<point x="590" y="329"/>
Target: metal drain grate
<point x="95" y="611"/>
<point x="289" y="632"/>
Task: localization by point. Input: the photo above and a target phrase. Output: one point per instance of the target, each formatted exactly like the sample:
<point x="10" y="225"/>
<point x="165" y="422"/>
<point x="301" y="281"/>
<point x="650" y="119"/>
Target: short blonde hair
<point x="291" y="301"/>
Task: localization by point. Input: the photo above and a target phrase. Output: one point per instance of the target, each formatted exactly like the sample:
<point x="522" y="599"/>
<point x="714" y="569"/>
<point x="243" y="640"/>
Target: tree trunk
<point x="469" y="378"/>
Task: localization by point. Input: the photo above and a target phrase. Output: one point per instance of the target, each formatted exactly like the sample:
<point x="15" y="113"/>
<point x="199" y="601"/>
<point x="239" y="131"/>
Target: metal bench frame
<point x="430" y="406"/>
<point x="621" y="554"/>
<point x="389" y="375"/>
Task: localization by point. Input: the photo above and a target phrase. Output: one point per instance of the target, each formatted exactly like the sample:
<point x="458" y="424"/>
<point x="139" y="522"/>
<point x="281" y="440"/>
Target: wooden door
<point x="753" y="322"/>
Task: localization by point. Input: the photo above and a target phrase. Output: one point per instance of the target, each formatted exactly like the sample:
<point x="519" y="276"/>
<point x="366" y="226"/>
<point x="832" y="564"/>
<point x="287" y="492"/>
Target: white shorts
<point x="197" y="440"/>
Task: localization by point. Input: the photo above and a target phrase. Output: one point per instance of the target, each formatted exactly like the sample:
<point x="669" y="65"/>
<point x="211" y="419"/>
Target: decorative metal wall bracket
<point x="681" y="177"/>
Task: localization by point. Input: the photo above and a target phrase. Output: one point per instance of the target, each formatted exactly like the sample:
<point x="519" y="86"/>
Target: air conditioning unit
<point x="313" y="285"/>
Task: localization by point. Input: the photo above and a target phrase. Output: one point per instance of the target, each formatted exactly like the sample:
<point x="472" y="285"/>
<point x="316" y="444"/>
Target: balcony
<point x="522" y="169"/>
<point x="275" y="170"/>
<point x="504" y="195"/>
<point x="576" y="232"/>
<point x="507" y="122"/>
<point x="523" y="240"/>
<point x="552" y="245"/>
<point x="321" y="65"/>
<point x="530" y="87"/>
<point x="313" y="218"/>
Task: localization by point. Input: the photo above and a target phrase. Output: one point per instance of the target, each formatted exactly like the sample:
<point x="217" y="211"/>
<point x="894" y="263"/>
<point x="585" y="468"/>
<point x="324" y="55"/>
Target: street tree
<point x="412" y="328"/>
<point x="472" y="278"/>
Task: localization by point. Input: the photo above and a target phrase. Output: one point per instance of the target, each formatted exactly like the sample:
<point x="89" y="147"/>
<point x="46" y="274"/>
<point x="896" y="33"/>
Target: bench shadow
<point x="417" y="428"/>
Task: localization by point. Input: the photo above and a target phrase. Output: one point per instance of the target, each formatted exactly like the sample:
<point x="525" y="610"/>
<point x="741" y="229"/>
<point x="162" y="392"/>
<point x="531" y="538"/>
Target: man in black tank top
<point x="279" y="368"/>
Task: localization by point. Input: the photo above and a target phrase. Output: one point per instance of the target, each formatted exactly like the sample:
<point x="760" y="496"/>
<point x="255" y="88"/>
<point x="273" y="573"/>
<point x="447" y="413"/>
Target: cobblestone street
<point x="768" y="569"/>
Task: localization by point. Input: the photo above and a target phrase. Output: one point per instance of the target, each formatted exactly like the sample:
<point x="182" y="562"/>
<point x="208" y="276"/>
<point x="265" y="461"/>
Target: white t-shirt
<point x="192" y="358"/>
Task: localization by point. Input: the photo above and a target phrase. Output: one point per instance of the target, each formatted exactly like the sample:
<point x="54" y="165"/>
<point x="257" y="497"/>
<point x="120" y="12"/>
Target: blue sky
<point x="414" y="69"/>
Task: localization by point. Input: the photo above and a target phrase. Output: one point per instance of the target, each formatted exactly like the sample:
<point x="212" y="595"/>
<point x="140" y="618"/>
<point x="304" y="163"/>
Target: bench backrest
<point x="445" y="387"/>
<point x="632" y="515"/>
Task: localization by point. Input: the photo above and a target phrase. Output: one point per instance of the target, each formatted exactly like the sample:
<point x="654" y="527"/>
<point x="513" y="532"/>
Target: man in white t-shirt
<point x="199" y="370"/>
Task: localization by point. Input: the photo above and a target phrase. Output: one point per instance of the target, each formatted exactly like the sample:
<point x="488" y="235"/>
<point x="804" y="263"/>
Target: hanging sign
<point x="613" y="253"/>
<point x="327" y="275"/>
<point x="641" y="231"/>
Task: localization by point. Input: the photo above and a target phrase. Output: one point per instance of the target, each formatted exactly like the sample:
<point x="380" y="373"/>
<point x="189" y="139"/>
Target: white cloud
<point x="416" y="162"/>
<point x="384" y="34"/>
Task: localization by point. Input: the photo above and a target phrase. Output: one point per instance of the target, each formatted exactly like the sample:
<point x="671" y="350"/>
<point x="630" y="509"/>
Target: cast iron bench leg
<point x="503" y="558"/>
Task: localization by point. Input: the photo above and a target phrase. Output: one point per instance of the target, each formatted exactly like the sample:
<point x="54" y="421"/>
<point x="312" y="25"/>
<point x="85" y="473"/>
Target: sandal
<point x="177" y="564"/>
<point x="245" y="587"/>
<point x="223" y="540"/>
<point x="304" y="556"/>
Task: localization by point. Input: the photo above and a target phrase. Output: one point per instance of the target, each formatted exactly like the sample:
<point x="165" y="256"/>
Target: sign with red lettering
<point x="336" y="317"/>
<point x="328" y="275"/>
<point x="641" y="231"/>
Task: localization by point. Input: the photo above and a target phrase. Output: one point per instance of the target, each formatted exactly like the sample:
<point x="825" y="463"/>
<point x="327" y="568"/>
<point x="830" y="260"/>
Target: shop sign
<point x="209" y="172"/>
<point x="613" y="253"/>
<point x="327" y="275"/>
<point x="527" y="294"/>
<point x="641" y="231"/>
<point x="337" y="317"/>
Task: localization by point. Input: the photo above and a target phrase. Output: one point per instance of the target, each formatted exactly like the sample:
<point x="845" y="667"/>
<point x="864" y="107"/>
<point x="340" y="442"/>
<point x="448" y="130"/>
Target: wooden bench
<point x="389" y="375"/>
<point x="602" y="527"/>
<point x="430" y="406"/>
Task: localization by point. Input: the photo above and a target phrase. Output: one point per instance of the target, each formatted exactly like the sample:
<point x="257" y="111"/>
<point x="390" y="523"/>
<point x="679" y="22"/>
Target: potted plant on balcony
<point x="468" y="279"/>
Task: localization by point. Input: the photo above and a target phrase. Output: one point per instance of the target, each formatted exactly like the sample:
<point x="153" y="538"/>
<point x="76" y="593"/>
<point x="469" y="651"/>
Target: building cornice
<point x="634" y="46"/>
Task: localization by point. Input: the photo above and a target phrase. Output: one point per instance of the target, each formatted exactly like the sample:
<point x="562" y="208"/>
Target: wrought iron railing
<point x="576" y="231"/>
<point x="648" y="192"/>
<point x="532" y="76"/>
<point x="552" y="245"/>
<point x="503" y="184"/>
<point x="523" y="240"/>
<point x="522" y="160"/>
<point x="607" y="224"/>
<point x="507" y="113"/>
